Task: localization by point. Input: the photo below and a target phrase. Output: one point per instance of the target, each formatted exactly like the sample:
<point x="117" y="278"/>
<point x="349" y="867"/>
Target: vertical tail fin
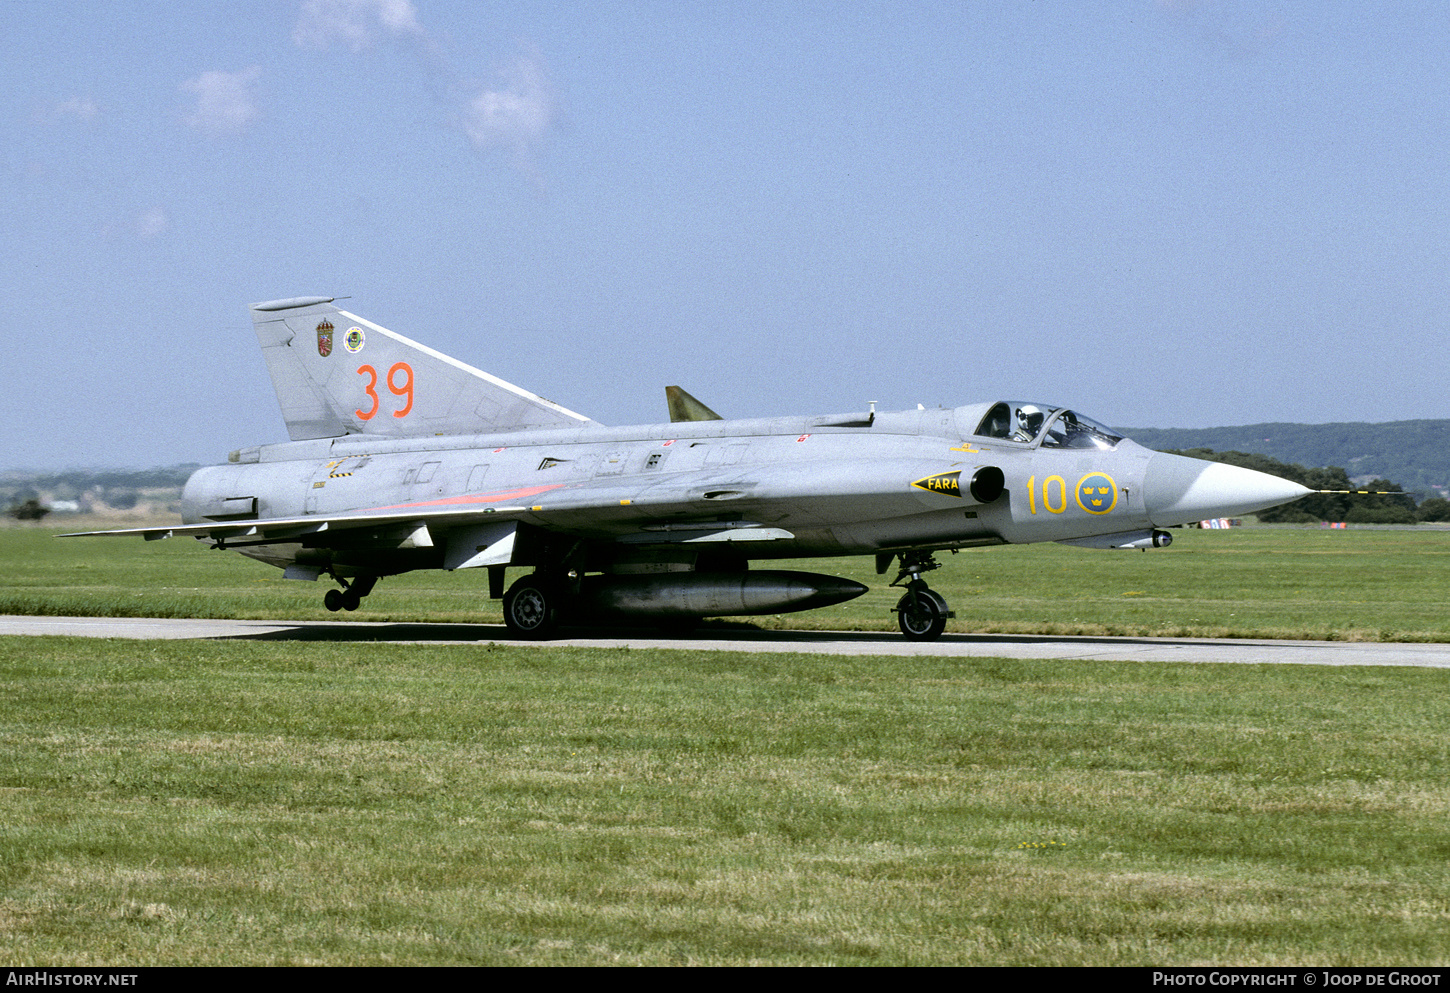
<point x="336" y="373"/>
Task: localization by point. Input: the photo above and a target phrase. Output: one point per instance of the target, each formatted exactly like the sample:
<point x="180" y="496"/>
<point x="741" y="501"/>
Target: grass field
<point x="1363" y="585"/>
<point x="250" y="802"/>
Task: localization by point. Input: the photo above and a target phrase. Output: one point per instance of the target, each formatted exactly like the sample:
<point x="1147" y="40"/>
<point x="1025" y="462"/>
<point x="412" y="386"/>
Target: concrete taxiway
<point x="823" y="642"/>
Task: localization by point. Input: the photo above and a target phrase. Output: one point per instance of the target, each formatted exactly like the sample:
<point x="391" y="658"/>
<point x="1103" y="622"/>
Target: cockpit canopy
<point x="1053" y="427"/>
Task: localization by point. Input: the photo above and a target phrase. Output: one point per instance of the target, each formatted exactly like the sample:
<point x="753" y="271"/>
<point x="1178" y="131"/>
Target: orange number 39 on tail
<point x="400" y="370"/>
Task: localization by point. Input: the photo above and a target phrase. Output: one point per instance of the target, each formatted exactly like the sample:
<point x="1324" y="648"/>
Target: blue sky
<point x="1164" y="213"/>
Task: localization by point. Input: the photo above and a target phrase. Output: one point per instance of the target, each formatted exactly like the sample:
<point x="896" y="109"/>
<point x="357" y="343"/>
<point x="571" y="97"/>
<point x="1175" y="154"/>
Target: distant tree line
<point x="1386" y="504"/>
<point x="117" y="489"/>
<point x="30" y="510"/>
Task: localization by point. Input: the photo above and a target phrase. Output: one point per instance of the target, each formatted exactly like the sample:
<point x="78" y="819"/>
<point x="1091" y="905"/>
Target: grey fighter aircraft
<point x="403" y="458"/>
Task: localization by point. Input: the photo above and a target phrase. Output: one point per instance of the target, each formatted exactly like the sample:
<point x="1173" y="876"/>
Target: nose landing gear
<point x="922" y="612"/>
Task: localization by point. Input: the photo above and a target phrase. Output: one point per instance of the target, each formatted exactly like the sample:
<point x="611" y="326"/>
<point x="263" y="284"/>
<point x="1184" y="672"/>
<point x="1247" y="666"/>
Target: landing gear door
<point x="481" y="545"/>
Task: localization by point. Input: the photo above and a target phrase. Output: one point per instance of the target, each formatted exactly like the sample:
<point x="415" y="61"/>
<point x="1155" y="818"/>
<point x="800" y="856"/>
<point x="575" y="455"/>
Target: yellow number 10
<point x="1047" y="486"/>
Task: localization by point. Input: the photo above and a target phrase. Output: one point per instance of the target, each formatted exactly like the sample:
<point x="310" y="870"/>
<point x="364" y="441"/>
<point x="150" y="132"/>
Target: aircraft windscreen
<point x="1072" y="430"/>
<point x="1055" y="426"/>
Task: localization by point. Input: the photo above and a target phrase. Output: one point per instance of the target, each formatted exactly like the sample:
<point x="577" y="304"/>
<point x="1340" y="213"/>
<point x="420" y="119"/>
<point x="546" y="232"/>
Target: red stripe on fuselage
<point x="473" y="498"/>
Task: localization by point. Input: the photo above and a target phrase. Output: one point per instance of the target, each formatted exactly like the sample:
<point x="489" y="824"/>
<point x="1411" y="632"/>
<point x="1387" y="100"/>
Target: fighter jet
<point x="403" y="458"/>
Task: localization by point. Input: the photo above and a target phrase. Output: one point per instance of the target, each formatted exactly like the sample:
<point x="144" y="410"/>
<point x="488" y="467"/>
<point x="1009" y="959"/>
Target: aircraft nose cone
<point x="1177" y="490"/>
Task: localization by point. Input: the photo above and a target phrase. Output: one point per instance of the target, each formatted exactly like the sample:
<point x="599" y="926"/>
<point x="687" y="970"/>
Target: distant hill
<point x="160" y="476"/>
<point x="1415" y="454"/>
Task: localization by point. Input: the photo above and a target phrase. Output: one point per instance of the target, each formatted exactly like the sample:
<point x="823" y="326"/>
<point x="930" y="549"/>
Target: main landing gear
<point x="922" y="613"/>
<point x="531" y="607"/>
<point x="351" y="594"/>
<point x="536" y="605"/>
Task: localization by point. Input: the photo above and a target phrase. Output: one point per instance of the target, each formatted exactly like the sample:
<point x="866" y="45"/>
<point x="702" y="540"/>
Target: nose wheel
<point x="922" y="612"/>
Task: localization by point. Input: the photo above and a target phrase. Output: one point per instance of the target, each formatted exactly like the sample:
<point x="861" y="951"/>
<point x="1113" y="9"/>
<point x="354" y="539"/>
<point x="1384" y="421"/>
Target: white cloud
<point x="224" y="102"/>
<point x="516" y="115"/>
<point x="354" y="23"/>
<point x="152" y="223"/>
<point x="82" y="108"/>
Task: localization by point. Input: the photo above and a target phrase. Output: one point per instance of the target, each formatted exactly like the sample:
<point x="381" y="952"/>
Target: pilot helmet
<point x="1029" y="419"/>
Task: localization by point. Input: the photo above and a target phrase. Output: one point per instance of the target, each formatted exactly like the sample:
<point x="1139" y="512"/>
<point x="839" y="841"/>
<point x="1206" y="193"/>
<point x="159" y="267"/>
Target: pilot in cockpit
<point x="1029" y="422"/>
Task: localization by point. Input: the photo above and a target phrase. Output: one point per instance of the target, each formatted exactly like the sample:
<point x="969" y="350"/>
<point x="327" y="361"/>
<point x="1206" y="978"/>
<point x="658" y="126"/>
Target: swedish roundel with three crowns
<point x="1097" y="493"/>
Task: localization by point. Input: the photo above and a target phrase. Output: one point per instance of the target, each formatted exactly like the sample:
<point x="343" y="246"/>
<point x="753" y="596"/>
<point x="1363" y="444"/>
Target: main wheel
<point x="530" y="608"/>
<point x="348" y="599"/>
<point x="922" y="614"/>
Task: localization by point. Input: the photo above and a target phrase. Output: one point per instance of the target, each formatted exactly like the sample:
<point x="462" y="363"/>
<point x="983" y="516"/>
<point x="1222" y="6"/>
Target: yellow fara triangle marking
<point x="946" y="483"/>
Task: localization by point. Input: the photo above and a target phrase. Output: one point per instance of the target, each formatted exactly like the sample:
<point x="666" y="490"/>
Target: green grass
<point x="239" y="803"/>
<point x="1363" y="585"/>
